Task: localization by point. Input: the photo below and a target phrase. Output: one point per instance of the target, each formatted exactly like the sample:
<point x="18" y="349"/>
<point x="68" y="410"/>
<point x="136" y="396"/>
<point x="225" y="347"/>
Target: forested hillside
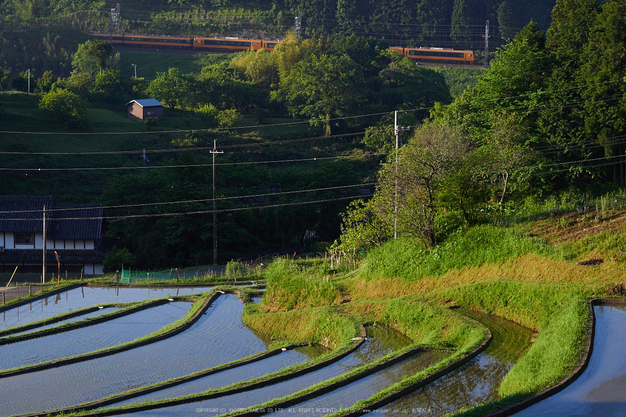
<point x="450" y="23"/>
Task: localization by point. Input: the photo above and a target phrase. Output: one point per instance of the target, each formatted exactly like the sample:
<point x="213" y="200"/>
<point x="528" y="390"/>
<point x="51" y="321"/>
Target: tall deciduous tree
<point x="173" y="88"/>
<point x="323" y="88"/>
<point x="460" y="30"/>
<point x="427" y="171"/>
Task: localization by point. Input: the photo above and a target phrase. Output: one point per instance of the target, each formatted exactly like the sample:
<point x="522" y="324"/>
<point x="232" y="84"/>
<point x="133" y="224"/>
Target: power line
<point x="203" y="200"/>
<point x="283" y="161"/>
<point x="196" y="149"/>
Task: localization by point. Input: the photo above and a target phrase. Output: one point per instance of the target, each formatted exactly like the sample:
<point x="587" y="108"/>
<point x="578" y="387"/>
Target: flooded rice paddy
<point x="85" y="316"/>
<point x="88" y="339"/>
<point x="601" y="389"/>
<point x="364" y="388"/>
<point x="227" y="377"/>
<point x="83" y="297"/>
<point x="472" y="384"/>
<point x="381" y="341"/>
<point x="218" y="337"/>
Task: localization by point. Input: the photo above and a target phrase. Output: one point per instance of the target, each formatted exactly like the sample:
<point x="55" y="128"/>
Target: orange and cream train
<point x="228" y="45"/>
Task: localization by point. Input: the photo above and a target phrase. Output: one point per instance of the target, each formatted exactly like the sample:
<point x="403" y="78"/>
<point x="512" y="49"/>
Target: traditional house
<point x="73" y="231"/>
<point x="145" y="108"/>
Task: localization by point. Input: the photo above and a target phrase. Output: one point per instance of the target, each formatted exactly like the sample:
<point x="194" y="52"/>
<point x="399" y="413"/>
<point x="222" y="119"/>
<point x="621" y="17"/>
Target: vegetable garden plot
<point x="364" y="388"/>
<point x="474" y="383"/>
<point x="380" y="342"/>
<point x="218" y="337"/>
<point x="88" y="339"/>
<point x="225" y="378"/>
<point x="82" y="297"/>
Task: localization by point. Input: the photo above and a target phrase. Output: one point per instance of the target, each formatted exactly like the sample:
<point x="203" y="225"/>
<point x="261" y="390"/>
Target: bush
<point x="65" y="107"/>
<point x="116" y="259"/>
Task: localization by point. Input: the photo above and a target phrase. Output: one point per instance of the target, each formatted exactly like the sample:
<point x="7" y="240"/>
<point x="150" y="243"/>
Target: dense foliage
<point x="546" y="118"/>
<point x="427" y="22"/>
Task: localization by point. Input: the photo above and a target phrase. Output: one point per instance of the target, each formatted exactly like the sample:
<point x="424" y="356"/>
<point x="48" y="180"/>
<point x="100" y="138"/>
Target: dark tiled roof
<point x="76" y="222"/>
<point x="65" y="221"/>
<point x="68" y="256"/>
<point x="23" y="213"/>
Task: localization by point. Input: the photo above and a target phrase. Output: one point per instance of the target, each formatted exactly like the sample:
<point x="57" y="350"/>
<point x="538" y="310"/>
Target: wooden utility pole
<point x="214" y="152"/>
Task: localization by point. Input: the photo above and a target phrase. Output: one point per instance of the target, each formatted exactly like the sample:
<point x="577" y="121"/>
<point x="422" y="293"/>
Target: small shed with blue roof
<point x="144" y="109"/>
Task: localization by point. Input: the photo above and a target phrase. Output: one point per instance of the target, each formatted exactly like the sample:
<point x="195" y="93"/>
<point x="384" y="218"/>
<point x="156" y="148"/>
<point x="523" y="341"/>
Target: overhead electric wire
<point x="281" y="161"/>
<point x="203" y="200"/>
<point x="200" y="148"/>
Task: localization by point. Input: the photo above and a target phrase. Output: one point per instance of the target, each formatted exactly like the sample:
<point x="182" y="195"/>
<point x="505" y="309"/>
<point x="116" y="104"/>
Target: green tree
<point x="604" y="94"/>
<point x="108" y="85"/>
<point x="65" y="107"/>
<point x="173" y="88"/>
<point x="460" y="29"/>
<point x="92" y="57"/>
<point x="117" y="259"/>
<point x="208" y="113"/>
<point x="506" y="20"/>
<point x="323" y="88"/>
<point x="44" y="84"/>
<point x="423" y="182"/>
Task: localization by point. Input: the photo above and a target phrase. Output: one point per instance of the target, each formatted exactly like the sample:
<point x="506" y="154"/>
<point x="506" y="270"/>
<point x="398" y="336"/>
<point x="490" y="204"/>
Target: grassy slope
<point x="534" y="274"/>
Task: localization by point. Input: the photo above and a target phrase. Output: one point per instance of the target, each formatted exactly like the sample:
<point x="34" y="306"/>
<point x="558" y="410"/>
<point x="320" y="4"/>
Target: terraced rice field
<point x="218" y="337"/>
<point x="83" y="297"/>
<point x="88" y="339"/>
<point x="380" y="342"/>
<point x="474" y="383"/>
<point x="225" y="378"/>
<point x="63" y="322"/>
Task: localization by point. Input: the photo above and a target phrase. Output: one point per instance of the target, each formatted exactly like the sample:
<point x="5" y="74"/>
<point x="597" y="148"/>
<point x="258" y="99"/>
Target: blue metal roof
<point x="147" y="102"/>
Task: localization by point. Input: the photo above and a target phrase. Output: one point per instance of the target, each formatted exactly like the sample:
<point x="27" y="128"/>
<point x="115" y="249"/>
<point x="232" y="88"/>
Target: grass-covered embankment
<point x="504" y="271"/>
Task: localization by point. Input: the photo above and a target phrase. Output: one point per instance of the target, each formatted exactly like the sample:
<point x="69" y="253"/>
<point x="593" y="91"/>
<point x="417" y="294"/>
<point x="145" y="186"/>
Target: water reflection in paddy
<point x="63" y="322"/>
<point x="364" y="388"/>
<point x="381" y="341"/>
<point x="225" y="378"/>
<point x="217" y="338"/>
<point x="600" y="390"/>
<point x="88" y="339"/>
<point x="83" y="297"/>
<point x="472" y="384"/>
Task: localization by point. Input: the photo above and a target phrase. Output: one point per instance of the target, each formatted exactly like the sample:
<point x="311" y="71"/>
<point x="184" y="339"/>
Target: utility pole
<point x="29" y="81"/>
<point x="43" y="276"/>
<point x="298" y="24"/>
<point x="486" y="36"/>
<point x="145" y="159"/>
<point x="114" y="24"/>
<point x="135" y="65"/>
<point x="396" y="131"/>
<point x="214" y="152"/>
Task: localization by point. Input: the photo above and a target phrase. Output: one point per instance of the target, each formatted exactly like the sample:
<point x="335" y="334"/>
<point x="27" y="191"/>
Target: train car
<point x="147" y="40"/>
<point x="226" y="45"/>
<point x="270" y="45"/>
<point x="115" y="39"/>
<point x="158" y="41"/>
<point x="436" y="54"/>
